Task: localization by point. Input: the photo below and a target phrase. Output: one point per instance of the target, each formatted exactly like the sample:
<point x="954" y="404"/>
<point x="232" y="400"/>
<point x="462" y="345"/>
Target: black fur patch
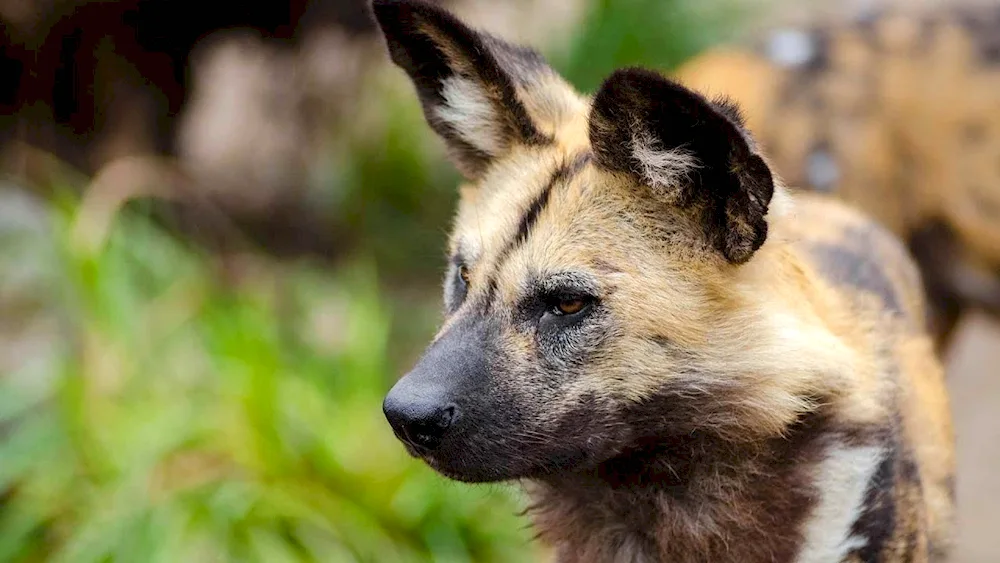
<point x="421" y="36"/>
<point x="877" y="522"/>
<point x="732" y="185"/>
<point x="886" y="509"/>
<point x="728" y="107"/>
<point x="847" y="265"/>
<point x="531" y="215"/>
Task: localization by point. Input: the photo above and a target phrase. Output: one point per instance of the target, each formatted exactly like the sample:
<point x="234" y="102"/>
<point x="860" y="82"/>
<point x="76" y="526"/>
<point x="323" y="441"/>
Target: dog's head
<point x="601" y="287"/>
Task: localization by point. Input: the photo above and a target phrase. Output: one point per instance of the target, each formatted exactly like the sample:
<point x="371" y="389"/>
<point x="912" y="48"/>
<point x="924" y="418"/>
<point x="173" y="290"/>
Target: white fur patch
<point x="471" y="114"/>
<point x="661" y="168"/>
<point x="842" y="479"/>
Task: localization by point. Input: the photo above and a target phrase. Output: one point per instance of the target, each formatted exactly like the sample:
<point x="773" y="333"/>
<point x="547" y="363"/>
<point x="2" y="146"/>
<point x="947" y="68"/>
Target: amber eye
<point x="463" y="272"/>
<point x="570" y="306"/>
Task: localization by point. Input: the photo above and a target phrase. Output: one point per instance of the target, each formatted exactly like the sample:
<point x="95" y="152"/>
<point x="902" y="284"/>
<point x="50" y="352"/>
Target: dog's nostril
<point x="419" y="423"/>
<point x="429" y="431"/>
<point x="447" y="416"/>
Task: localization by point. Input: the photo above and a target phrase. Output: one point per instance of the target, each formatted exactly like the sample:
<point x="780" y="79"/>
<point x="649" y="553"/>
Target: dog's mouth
<point x="462" y="465"/>
<point x="467" y="465"/>
<point x="416" y="451"/>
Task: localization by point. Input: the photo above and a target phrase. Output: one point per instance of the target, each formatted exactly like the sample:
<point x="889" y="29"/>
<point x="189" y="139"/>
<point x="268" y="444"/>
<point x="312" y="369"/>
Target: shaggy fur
<point x="898" y="113"/>
<point x="680" y="361"/>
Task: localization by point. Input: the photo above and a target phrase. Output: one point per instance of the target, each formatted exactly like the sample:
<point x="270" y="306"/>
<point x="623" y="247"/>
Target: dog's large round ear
<point x="688" y="150"/>
<point x="468" y="82"/>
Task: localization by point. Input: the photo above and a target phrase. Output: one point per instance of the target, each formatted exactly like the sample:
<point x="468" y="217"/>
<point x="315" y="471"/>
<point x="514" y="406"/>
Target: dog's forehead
<point x="528" y="192"/>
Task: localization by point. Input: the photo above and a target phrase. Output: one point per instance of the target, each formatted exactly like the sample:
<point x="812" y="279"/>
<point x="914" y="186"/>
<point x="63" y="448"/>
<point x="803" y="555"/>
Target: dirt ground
<point x="974" y="379"/>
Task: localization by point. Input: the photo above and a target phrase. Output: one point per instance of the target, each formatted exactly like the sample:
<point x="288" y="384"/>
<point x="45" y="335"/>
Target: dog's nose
<point x="420" y="421"/>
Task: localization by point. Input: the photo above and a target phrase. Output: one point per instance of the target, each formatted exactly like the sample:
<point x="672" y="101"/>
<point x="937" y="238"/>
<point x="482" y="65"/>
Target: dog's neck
<point x="690" y="498"/>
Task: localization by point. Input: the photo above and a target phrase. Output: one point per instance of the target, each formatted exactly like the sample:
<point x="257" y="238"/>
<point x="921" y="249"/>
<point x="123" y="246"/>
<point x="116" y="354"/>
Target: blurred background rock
<point x="221" y="237"/>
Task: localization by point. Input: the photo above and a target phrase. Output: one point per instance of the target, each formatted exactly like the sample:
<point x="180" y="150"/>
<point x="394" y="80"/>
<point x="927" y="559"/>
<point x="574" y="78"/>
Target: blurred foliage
<point x="200" y="408"/>
<point x="202" y="417"/>
<point x="660" y="34"/>
<point x="396" y="190"/>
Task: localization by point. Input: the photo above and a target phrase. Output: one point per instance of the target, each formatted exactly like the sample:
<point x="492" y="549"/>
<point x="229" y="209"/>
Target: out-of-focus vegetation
<point x="656" y="33"/>
<point x="193" y="407"/>
<point x="196" y="416"/>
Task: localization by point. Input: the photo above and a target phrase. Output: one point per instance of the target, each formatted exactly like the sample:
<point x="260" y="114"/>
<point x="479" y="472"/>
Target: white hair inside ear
<point x="661" y="169"/>
<point x="468" y="111"/>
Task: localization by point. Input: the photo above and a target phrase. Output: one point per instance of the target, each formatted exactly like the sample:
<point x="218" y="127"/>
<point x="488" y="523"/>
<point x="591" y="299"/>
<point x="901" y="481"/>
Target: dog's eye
<point x="569" y="306"/>
<point x="456" y="284"/>
<point x="565" y="310"/>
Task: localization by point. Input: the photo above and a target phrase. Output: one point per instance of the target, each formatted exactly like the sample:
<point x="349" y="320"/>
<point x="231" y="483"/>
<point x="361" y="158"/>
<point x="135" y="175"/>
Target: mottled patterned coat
<point x="680" y="360"/>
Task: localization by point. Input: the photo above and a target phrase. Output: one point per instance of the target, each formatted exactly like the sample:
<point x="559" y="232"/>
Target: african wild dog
<point x="682" y="362"/>
<point x="897" y="112"/>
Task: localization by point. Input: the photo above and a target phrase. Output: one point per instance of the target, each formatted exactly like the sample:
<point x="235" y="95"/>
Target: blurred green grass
<point x="193" y="419"/>
<point x="204" y="408"/>
<point x="660" y="34"/>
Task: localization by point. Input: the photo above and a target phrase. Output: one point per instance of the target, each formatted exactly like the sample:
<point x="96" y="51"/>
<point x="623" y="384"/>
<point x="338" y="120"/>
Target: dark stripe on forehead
<point x="563" y="173"/>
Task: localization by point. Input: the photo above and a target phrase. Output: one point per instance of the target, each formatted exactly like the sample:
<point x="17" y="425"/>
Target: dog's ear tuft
<point x="689" y="150"/>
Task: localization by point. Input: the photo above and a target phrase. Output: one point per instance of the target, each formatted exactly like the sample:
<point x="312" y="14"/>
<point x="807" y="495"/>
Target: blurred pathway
<point x="974" y="378"/>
